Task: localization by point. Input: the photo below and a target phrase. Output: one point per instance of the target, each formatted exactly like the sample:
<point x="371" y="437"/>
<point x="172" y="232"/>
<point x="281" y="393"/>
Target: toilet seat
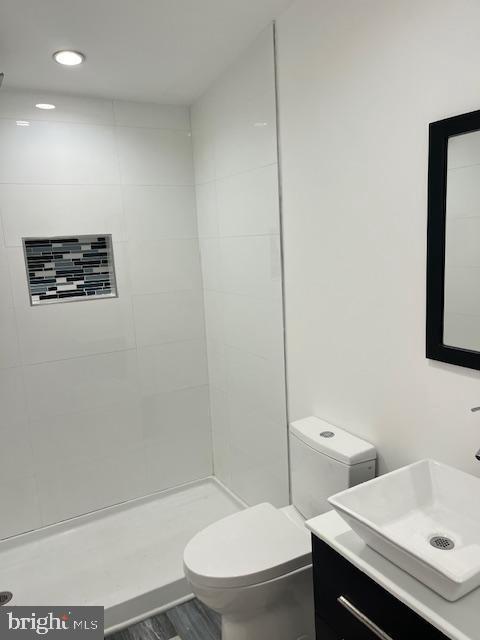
<point x="247" y="548"/>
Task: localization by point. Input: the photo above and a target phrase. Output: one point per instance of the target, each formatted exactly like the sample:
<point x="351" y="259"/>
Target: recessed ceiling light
<point x="69" y="58"/>
<point x="45" y="105"/>
<point x="23" y="123"/>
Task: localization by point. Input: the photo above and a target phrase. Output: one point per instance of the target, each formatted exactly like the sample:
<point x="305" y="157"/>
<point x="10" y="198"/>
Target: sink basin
<point x="425" y="518"/>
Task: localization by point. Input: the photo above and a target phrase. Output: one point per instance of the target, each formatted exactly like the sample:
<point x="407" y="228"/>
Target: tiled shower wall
<point x="104" y="400"/>
<point x="235" y="151"/>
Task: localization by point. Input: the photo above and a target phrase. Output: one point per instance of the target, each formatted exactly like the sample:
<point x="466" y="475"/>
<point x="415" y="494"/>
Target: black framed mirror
<point x="453" y="250"/>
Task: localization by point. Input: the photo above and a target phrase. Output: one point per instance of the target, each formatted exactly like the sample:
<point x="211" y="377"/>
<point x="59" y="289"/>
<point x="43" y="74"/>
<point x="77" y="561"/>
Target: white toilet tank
<point x="325" y="460"/>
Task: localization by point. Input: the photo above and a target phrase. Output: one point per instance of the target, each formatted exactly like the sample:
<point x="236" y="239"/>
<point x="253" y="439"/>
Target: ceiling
<point x="148" y="50"/>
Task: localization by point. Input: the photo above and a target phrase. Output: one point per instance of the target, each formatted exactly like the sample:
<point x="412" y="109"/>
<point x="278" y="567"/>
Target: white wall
<point x="101" y="401"/>
<point x="234" y="130"/>
<point x="359" y="82"/>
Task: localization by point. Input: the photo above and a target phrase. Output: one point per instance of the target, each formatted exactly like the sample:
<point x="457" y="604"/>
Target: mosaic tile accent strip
<point x="70" y="268"/>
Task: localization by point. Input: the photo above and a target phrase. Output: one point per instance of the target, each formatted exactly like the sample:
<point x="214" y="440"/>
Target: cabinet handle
<point x="361" y="617"/>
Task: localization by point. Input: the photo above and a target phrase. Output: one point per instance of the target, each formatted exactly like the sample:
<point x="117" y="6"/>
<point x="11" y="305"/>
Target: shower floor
<point x="127" y="558"/>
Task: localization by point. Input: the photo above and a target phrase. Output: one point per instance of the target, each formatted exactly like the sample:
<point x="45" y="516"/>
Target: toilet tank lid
<point x="333" y="441"/>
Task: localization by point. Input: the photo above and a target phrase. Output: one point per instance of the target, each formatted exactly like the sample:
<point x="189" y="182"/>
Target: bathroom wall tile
<point x="9" y="347"/>
<point x="244" y="111"/>
<point x="150" y="115"/>
<point x="248" y="203"/>
<point x="215" y="315"/>
<point x="182" y="434"/>
<point x="167" y="265"/>
<point x="82" y="482"/>
<point x="258" y="471"/>
<point x="20" y="105"/>
<point x="251" y="266"/>
<point x="220" y="418"/>
<point x="56" y="210"/>
<point x="170" y="473"/>
<point x="90" y="484"/>
<point x="18" y="505"/>
<point x="57" y="153"/>
<point x="16" y="269"/>
<point x="15" y="452"/>
<point x="217" y="364"/>
<point x="211" y="263"/>
<point x="12" y="397"/>
<point x="5" y="279"/>
<point x="207" y="210"/>
<point x="155" y="156"/>
<point x="172" y="366"/>
<point x="99" y="326"/>
<point x="253" y="324"/>
<point x="257" y="384"/>
<point x="177" y="415"/>
<point x="169" y="317"/>
<point x="154" y="212"/>
<point x="203" y="154"/>
<point x="177" y="424"/>
<point x="67" y="386"/>
<point x="234" y="123"/>
<point x="126" y="476"/>
<point x="97" y="432"/>
<point x="235" y="155"/>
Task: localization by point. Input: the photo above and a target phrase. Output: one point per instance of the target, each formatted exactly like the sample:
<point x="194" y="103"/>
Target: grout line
<point x="130" y="402"/>
<point x="108" y="353"/>
<point x="134" y="241"/>
<point x="185" y="185"/>
<point x="89" y="355"/>
<point x="243" y="235"/>
<point x="236" y="173"/>
<point x="128" y="261"/>
<point x="105" y="123"/>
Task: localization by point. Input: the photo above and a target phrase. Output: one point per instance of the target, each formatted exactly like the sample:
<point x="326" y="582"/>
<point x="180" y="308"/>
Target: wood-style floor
<point x="189" y="621"/>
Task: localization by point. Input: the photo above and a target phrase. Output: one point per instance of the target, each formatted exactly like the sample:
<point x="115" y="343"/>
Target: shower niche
<point x="69" y="268"/>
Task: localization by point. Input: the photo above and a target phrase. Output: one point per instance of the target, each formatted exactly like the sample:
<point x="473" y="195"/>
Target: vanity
<point x="360" y="595"/>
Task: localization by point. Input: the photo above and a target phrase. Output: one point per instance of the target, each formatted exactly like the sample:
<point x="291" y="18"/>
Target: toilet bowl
<point x="254" y="567"/>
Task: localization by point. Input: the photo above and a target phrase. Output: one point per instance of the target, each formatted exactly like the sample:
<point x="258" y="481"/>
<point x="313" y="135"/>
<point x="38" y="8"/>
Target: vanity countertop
<point x="458" y="620"/>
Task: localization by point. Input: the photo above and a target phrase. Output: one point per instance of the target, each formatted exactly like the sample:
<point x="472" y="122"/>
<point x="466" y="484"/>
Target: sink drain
<point x="5" y="596"/>
<point x="442" y="542"/>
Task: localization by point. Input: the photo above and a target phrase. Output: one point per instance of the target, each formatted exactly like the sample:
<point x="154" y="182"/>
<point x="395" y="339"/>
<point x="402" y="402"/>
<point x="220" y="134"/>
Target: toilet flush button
<point x="327" y="434"/>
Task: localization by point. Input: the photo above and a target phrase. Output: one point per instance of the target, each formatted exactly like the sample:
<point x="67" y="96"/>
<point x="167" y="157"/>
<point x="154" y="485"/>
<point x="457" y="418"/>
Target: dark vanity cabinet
<point x="351" y="606"/>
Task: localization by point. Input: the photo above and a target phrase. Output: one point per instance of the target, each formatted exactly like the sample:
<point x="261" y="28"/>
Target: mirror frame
<point x="440" y="132"/>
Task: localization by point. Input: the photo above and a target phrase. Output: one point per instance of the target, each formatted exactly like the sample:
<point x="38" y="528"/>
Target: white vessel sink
<point x="426" y="519"/>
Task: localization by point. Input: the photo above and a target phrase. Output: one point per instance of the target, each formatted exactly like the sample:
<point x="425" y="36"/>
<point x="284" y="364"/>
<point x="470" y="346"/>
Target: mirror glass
<point x="461" y="319"/>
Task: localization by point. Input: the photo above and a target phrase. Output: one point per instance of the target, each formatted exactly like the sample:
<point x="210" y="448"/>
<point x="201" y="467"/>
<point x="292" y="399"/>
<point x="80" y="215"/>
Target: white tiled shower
<point x="104" y="394"/>
<point x="179" y="379"/>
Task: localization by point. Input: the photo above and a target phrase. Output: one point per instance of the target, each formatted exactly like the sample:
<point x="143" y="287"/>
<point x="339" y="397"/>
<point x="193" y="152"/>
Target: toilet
<point x="254" y="567"/>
